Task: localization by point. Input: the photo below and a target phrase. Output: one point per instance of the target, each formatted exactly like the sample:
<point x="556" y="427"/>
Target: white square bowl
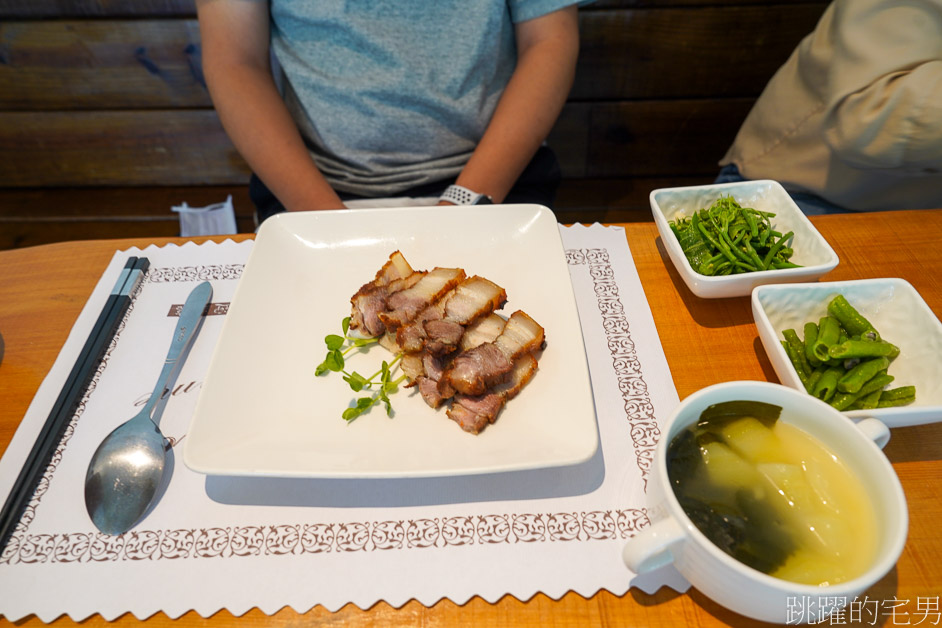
<point x="894" y="308"/>
<point x="812" y="251"/>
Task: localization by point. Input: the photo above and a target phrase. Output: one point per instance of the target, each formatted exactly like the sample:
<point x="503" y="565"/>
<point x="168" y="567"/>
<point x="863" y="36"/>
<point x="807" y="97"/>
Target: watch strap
<point x="460" y="195"/>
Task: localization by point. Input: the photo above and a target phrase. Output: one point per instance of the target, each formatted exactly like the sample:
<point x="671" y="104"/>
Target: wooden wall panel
<point x="657" y="4"/>
<point x="121" y="148"/>
<point x="154" y="8"/>
<point x="101" y="64"/>
<point x="121" y="212"/>
<point x="647" y="138"/>
<point x="593" y="140"/>
<point x="111" y="212"/>
<point x="628" y="55"/>
<point x="709" y="52"/>
<point x="96" y="8"/>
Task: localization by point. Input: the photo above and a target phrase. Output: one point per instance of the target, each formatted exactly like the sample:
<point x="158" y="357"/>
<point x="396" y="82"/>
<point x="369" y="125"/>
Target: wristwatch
<point x="463" y="196"/>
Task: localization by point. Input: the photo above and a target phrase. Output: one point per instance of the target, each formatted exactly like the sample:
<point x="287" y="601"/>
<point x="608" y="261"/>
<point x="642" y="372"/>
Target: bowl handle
<point x="876" y="430"/>
<point x="650" y="549"/>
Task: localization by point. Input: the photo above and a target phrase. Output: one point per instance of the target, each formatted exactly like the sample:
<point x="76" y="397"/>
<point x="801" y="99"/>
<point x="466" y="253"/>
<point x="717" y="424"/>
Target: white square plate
<point x="892" y="306"/>
<point x="812" y="251"/>
<point x="262" y="412"/>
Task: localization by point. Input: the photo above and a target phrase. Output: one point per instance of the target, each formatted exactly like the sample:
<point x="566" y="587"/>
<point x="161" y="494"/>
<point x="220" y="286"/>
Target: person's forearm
<point x="258" y="123"/>
<point x="527" y="110"/>
<point x="235" y="42"/>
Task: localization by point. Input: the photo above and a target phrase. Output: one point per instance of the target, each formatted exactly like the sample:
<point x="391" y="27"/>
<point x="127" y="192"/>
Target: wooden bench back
<point x="105" y="121"/>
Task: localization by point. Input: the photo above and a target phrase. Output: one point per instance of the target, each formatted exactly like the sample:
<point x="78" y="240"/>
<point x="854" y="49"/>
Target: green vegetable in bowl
<point x="728" y="239"/>
<point x="844" y="361"/>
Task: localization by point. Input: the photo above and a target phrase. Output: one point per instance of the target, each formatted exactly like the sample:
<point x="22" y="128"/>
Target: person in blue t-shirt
<point x="449" y="100"/>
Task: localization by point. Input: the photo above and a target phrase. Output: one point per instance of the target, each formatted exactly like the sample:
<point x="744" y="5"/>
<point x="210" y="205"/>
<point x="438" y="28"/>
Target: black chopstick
<point x="75" y="385"/>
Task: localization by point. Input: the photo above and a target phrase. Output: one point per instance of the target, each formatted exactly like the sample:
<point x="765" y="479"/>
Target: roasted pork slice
<point x="365" y="310"/>
<point x="474" y="298"/>
<point x="439" y="327"/>
<point x="412" y="367"/>
<point x="396" y="267"/>
<point x="430" y="366"/>
<point x="370" y="302"/>
<point x="427" y="381"/>
<point x="403" y="306"/>
<point x="474" y="413"/>
<point x="520" y="335"/>
<point x="428" y="389"/>
<point x="422" y="369"/>
<point x="485" y="329"/>
<point x="388" y="342"/>
<point x="473" y="371"/>
<point x="442" y="337"/>
<point x="411" y="337"/>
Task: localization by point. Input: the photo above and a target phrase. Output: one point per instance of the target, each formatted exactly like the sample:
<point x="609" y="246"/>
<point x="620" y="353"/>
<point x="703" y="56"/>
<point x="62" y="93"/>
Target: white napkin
<point x="215" y="219"/>
<point x="213" y="543"/>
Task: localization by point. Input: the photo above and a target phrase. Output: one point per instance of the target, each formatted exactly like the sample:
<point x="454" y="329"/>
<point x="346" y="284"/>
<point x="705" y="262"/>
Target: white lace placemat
<point x="215" y="543"/>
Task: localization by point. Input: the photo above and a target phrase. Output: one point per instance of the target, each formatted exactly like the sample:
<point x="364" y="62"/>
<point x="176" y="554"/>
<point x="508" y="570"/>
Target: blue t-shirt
<point x="391" y="94"/>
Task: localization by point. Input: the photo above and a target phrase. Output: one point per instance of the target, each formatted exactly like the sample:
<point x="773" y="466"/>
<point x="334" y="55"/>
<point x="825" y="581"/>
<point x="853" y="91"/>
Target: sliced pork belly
<point x="428" y="381"/>
<point x="443" y="337"/>
<point x="428" y="389"/>
<point x="474" y="298"/>
<point x="474" y="413"/>
<point x="431" y="366"/>
<point x="370" y="300"/>
<point x="521" y="335"/>
<point x="369" y="305"/>
<point x="403" y="306"/>
<point x="412" y="367"/>
<point x="485" y="329"/>
<point x="412" y="336"/>
<point x="396" y="267"/>
<point x="364" y="315"/>
<point x="439" y="328"/>
<point x="474" y="371"/>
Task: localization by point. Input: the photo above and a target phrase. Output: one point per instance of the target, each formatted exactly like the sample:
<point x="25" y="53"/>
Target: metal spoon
<point x="128" y="467"/>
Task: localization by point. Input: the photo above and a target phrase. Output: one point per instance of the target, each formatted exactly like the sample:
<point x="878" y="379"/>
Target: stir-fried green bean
<point x="897" y="397"/>
<point x="852" y="348"/>
<point x="829" y="334"/>
<point x="727" y="239"/>
<point x="854" y="379"/>
<point x="851" y="320"/>
<point x="826" y="387"/>
<point x="811" y="337"/>
<point x="844" y="400"/>
<point x="843" y="360"/>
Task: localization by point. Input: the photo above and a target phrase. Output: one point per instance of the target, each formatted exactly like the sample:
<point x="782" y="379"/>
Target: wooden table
<point x="43" y="289"/>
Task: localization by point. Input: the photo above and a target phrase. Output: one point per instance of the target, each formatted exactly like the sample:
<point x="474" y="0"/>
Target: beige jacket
<point x="855" y="114"/>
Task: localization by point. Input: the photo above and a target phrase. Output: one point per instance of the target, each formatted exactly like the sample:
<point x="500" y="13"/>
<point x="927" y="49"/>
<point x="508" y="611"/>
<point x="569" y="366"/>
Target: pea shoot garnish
<point x="338" y="347"/>
<point x="727" y="239"/>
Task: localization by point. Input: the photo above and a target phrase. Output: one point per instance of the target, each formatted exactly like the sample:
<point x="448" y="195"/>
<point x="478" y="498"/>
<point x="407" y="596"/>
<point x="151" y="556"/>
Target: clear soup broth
<point x="771" y="496"/>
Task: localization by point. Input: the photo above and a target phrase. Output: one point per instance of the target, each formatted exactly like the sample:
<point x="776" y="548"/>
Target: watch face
<point x="483" y="200"/>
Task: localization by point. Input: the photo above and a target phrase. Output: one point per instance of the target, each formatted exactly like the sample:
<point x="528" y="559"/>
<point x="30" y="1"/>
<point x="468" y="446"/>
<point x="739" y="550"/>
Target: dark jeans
<point x="810" y="204"/>
<point x="537" y="184"/>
